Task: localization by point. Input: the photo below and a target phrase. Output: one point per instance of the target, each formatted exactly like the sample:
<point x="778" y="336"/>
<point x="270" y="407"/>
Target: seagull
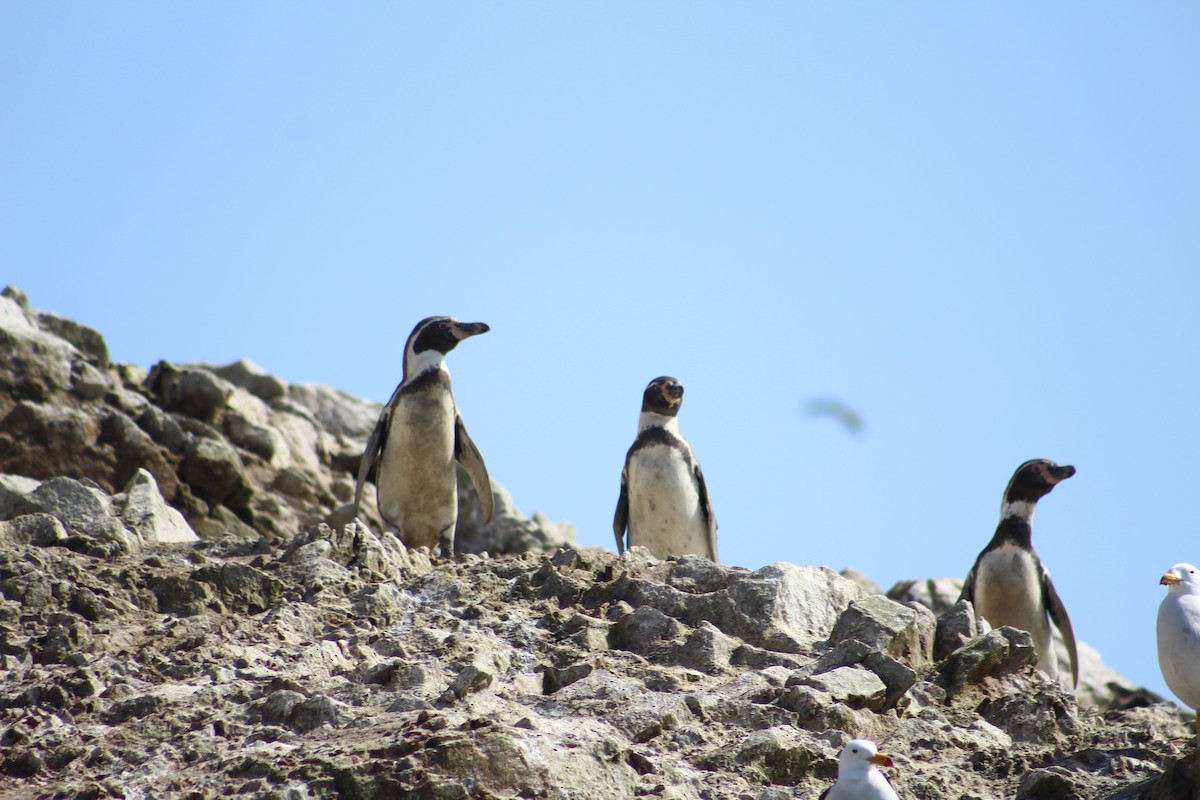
<point x="1179" y="635"/>
<point x="858" y="775"/>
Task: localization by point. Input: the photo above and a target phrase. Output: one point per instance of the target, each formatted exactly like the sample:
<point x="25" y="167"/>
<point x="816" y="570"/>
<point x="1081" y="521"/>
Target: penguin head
<point x="1034" y="479"/>
<point x="663" y="396"/>
<point x="1181" y="579"/>
<point x="432" y="339"/>
<point x="860" y="756"/>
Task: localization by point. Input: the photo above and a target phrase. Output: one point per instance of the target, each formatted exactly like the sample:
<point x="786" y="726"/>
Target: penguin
<point x="1179" y="635"/>
<point x="859" y="777"/>
<point x="417" y="440"/>
<point x="664" y="501"/>
<point x="1008" y="584"/>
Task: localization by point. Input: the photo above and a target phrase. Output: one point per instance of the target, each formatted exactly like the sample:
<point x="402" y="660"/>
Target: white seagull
<point x="1179" y="635"/>
<point x="859" y="777"/>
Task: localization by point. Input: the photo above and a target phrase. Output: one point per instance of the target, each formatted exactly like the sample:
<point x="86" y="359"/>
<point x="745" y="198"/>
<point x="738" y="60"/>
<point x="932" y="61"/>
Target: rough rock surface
<point x="274" y="656"/>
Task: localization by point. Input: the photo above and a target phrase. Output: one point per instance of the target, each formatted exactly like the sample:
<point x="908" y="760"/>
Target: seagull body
<point x="859" y="777"/>
<point x="1179" y="635"/>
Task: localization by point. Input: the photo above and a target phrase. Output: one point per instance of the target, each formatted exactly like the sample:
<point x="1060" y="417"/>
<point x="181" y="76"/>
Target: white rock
<point x="147" y="513"/>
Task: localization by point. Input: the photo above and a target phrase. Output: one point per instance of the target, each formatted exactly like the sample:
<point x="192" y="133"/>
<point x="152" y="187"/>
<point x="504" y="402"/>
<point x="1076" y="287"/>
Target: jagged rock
<point x="45" y="441"/>
<point x="11" y="488"/>
<point x="88" y="382"/>
<point x="252" y="378"/>
<point x="339" y="413"/>
<point x="42" y="530"/>
<point x="904" y="632"/>
<point x="242" y="588"/>
<point x="1043" y="718"/>
<point x="936" y="594"/>
<point x="857" y="688"/>
<point x="134" y="450"/>
<point x="788" y="608"/>
<point x="955" y="627"/>
<point x="34" y="364"/>
<point x="146" y="513"/>
<point x="998" y="652"/>
<point x="86" y="340"/>
<point x="196" y="393"/>
<point x="214" y="470"/>
<point x="84" y="511"/>
<point x="868" y="586"/>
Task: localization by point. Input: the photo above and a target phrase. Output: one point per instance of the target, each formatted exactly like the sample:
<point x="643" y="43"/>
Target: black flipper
<point x="467" y="454"/>
<point x="1058" y="614"/>
<point x="621" y="517"/>
<point x="709" y="517"/>
<point x="374" y="447"/>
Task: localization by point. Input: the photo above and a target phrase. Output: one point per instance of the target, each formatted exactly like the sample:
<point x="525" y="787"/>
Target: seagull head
<point x="860" y="757"/>
<point x="1181" y="579"/>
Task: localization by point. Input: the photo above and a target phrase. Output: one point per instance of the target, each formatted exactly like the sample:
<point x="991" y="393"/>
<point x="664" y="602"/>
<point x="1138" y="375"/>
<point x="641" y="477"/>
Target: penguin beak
<point x="674" y="391"/>
<point x="882" y="760"/>
<point x="1170" y="579"/>
<point x="1061" y="473"/>
<point x="463" y="330"/>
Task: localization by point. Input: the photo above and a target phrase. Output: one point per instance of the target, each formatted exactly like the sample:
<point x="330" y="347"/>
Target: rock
<point x="146" y="513"/>
<point x="998" y="652"/>
<point x="214" y="470"/>
<point x="242" y="588"/>
<point x="88" y="382"/>
<point x="315" y="712"/>
<point x="196" y="393"/>
<point x="34" y="364"/>
<point x="252" y="378"/>
<point x="339" y="413"/>
<point x="46" y="441"/>
<point x="86" y="340"/>
<point x="936" y="594"/>
<point x="83" y="511"/>
<point x="646" y="631"/>
<point x="857" y="688"/>
<point x="903" y="632"/>
<point x="472" y="679"/>
<point x="955" y="627"/>
<point x="11" y="488"/>
<point x="41" y="530"/>
<point x="868" y="586"/>
<point x="787" y="608"/>
<point x="509" y="532"/>
<point x="1045" y="719"/>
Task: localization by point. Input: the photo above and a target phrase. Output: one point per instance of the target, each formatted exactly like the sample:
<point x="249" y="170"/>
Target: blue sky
<point x="977" y="225"/>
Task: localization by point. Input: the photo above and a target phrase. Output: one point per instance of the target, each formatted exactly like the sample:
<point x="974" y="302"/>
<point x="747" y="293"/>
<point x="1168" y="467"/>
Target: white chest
<point x="665" y="513"/>
<point x="417" y="482"/>
<point x="1008" y="589"/>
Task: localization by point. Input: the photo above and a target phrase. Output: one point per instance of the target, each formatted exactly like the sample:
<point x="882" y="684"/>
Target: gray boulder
<point x="86" y="512"/>
<point x="788" y="608"/>
<point x="903" y="632"/>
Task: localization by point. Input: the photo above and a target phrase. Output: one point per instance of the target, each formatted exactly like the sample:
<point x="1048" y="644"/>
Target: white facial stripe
<point x="649" y="418"/>
<point x="1021" y="509"/>
<point x="428" y="359"/>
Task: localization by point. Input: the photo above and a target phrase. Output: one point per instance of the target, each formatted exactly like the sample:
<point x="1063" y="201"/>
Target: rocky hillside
<point x="176" y="620"/>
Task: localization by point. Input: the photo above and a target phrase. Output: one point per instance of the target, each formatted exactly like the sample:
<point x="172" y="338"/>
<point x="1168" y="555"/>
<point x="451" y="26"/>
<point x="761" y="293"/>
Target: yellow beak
<point x="1170" y="579"/>
<point x="881" y="759"/>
